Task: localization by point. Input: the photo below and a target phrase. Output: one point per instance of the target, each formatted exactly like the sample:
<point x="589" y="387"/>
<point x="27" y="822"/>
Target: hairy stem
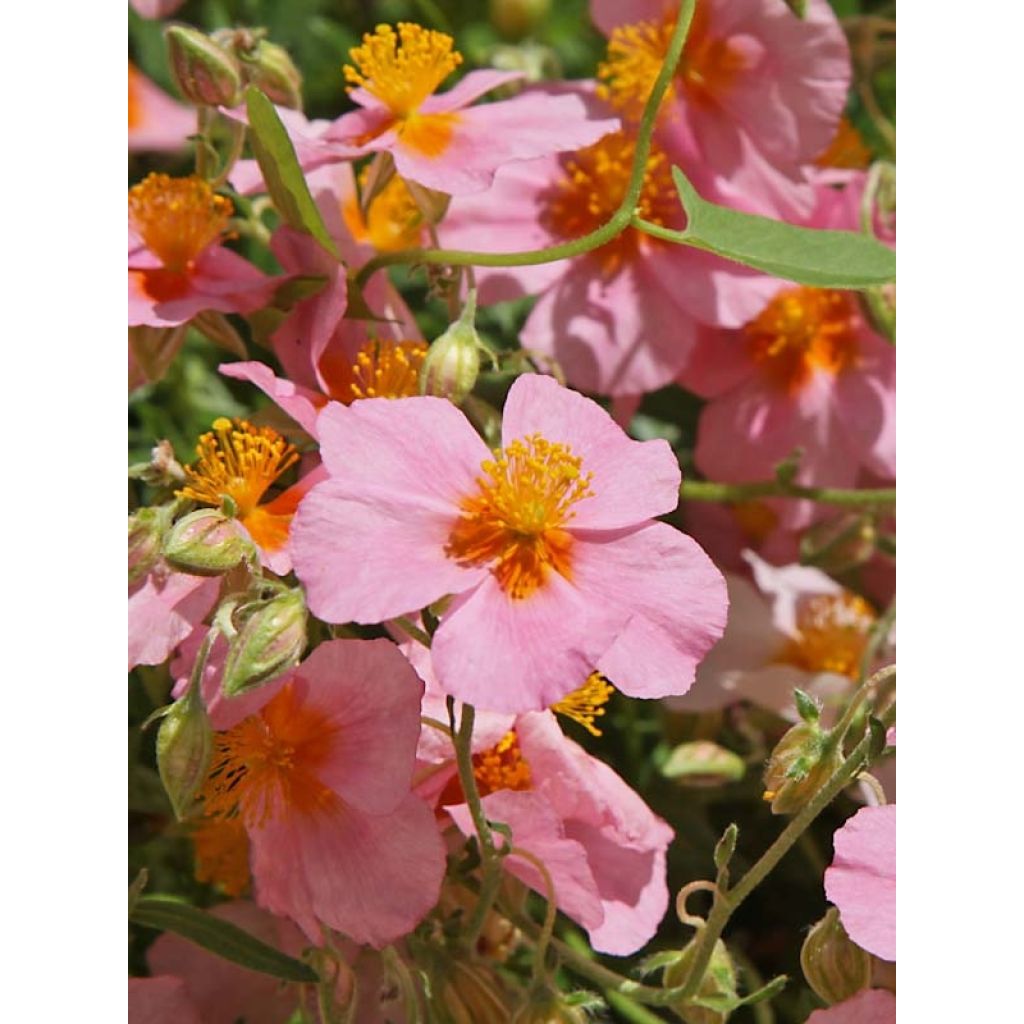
<point x="706" y="490"/>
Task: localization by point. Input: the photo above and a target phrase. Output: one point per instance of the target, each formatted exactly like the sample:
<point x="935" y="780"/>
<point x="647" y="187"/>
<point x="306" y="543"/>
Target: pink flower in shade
<point x="176" y="264"/>
<point x="603" y="846"/>
<point x="790" y="627"/>
<point x="547" y="547"/>
<point x="156" y="122"/>
<point x="156" y="8"/>
<point x="319" y="776"/>
<point x="872" y="1006"/>
<point x="162" y="1000"/>
<point x="621" y="320"/>
<point x="861" y="880"/>
<point x="806" y="372"/>
<point x="164" y="607"/>
<point x="440" y="141"/>
<point x="758" y="93"/>
<point x="224" y="992"/>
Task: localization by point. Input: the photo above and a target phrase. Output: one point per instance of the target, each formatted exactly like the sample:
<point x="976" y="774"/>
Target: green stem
<point x="203" y="148"/>
<point x="839" y="730"/>
<point x="706" y="490"/>
<point x="550" y="913"/>
<point x="628" y="1010"/>
<point x="237" y="142"/>
<point x="408" y="626"/>
<point x="615" y="225"/>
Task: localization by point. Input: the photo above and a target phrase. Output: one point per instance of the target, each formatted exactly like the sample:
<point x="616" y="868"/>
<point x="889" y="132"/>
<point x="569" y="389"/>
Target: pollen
<point x="381" y="369"/>
<point x="268" y="767"/>
<point x="516" y="522"/>
<point x="586" y="704"/>
<point x="222" y="854"/>
<point x="402" y="69"/>
<point x="707" y="68"/>
<point x="832" y="633"/>
<point x="177" y="218"/>
<point x="393" y="221"/>
<point x="802" y="331"/>
<point x="592" y="187"/>
<point x="238" y="461"/>
<point x="502" y="766"/>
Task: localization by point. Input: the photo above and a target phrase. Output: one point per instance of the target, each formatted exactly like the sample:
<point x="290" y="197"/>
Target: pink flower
<point x="162" y="1000"/>
<point x="441" y="141"/>
<point x="319" y="776"/>
<point x="872" y="1006"/>
<point x="861" y="881"/>
<point x="155" y="121"/>
<point x="164" y="607"/>
<point x="176" y="264"/>
<point x="806" y="372"/>
<point x="156" y="8"/>
<point x="546" y="548"/>
<point x="758" y="93"/>
<point x="603" y="846"/>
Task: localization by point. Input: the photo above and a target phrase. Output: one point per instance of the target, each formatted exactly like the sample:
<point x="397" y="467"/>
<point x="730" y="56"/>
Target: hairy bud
<point x="833" y="964"/>
<point x="703" y="763"/>
<point x="453" y="362"/>
<point x="719" y="983"/>
<point x="270" y="642"/>
<point x="206" y="542"/>
<point x="184" y="746"/>
<point x="206" y="73"/>
<point x="799" y="766"/>
<point x="271" y="70"/>
<point x="145" y="534"/>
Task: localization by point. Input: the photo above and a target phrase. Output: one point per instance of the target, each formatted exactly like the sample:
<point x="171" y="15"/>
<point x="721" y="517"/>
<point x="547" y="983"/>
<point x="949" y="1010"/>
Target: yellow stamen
<point x="177" y="218"/>
<point x="222" y="854"/>
<point x="515" y="523"/>
<point x="586" y="704"/>
<point x="592" y="187"/>
<point x="502" y="766"/>
<point x="402" y="69"/>
<point x="832" y="634"/>
<point x="846" y="150"/>
<point x="238" y="461"/>
<point x="393" y="222"/>
<point x="803" y="330"/>
<point x="382" y="369"/>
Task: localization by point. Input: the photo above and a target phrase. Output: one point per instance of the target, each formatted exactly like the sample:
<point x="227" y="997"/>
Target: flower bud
<point x="206" y="542"/>
<point x="833" y="964"/>
<point x="271" y="70"/>
<point x="453" y="362"/>
<point x="269" y="643"/>
<point x="703" y="763"/>
<point x="719" y="982"/>
<point x="184" y="746"/>
<point x="145" y="532"/>
<point x="205" y="72"/>
<point x="515" y="19"/>
<point x="838" y="545"/>
<point x="799" y="766"/>
<point x="472" y="994"/>
<point x="547" y="1007"/>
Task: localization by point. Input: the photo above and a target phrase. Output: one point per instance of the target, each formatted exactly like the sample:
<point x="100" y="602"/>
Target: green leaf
<point x="220" y="937"/>
<point x="281" y="171"/>
<point x="824" y="259"/>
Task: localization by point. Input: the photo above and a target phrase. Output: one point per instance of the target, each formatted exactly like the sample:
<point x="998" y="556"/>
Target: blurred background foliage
<point x="767" y="932"/>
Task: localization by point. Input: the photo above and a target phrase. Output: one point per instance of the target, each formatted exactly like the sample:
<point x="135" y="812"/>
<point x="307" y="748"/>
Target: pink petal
<point x="163" y="124"/>
<point x="872" y="1006"/>
<point x="160" y="1000"/>
<point x="720" y="362"/>
<point x="607" y="14"/>
<point x="633" y="480"/>
<point x="163" y="609"/>
<point x="469" y="88"/>
<point x="865" y="398"/>
<point x="302" y="404"/>
<point x="862" y="879"/>
<point x="788" y="585"/>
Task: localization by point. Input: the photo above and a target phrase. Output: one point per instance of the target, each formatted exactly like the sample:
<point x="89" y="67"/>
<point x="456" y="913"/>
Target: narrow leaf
<point x="824" y="259"/>
<point x="219" y="937"/>
<point x="769" y="991"/>
<point x="275" y="154"/>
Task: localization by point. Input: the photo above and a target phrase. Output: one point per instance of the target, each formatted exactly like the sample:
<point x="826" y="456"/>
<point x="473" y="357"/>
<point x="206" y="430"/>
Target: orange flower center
<point x="382" y="369"/>
<point x="803" y="330"/>
<point x="222" y="854"/>
<point x="269" y="765"/>
<point x="755" y="519"/>
<point x="502" y="766"/>
<point x="832" y="634"/>
<point x="393" y="221"/>
<point x="707" y="69"/>
<point x="177" y="218"/>
<point x="516" y="522"/>
<point x="238" y="461"/>
<point x="846" y="150"/>
<point x="592" y="187"/>
<point x="587" y="703"/>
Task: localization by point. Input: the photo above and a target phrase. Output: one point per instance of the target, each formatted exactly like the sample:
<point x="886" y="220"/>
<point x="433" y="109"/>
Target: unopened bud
<point x="833" y="964"/>
<point x="799" y="766"/>
<point x="879" y="305"/>
<point x="272" y="71"/>
<point x="515" y="19"/>
<point x="839" y="545"/>
<point x="206" y="542"/>
<point x="145" y="534"/>
<point x="452" y="364"/>
<point x="206" y="73"/>
<point x="719" y="983"/>
<point x="547" y="1007"/>
<point x="472" y="994"/>
<point x="184" y="746"/>
<point x="703" y="763"/>
<point x="269" y="643"/>
<point x="538" y="63"/>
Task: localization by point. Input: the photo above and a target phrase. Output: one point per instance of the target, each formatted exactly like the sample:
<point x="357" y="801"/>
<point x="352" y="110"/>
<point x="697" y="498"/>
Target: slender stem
<point x="839" y="730"/>
<point x="616" y="224"/>
<point x="706" y="490"/>
<point x="627" y="1009"/>
<point x="408" y="626"/>
<point x="236" y="136"/>
<point x="203" y="148"/>
<point x="550" y="911"/>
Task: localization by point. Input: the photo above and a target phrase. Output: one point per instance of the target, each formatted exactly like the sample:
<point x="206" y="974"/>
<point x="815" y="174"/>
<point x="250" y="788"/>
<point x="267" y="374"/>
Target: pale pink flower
<point x="872" y="1006"/>
<point x="440" y="141"/>
<point x="156" y="8"/>
<point x="605" y="849"/>
<point x="164" y="607"/>
<point x="224" y="992"/>
<point x="161" y="1000"/>
<point x="156" y="122"/>
<point x="176" y="264"/>
<point x="621" y="320"/>
<point x="807" y="372"/>
<point x="336" y="836"/>
<point x="547" y="548"/>
<point x="861" y="880"/>
<point x="758" y="93"/>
